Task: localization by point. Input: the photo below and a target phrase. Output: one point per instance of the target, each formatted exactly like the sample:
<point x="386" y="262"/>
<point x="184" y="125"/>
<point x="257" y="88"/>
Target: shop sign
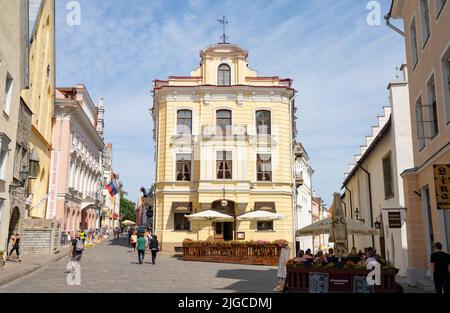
<point x="442" y="186"/>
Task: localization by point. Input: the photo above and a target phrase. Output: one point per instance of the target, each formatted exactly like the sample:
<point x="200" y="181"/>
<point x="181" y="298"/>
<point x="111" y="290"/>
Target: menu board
<point x="395" y="220"/>
<point x="360" y="285"/>
<point x="318" y="282"/>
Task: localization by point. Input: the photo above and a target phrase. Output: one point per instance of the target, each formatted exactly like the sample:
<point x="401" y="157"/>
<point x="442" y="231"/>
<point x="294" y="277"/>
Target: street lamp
<point x="357" y="216"/>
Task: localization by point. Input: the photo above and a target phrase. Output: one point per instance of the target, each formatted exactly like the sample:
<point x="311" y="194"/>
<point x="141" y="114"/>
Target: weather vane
<point x="224" y="22"/>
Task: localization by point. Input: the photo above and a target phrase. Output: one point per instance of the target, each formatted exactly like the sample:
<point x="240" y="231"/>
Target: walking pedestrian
<point x="133" y="240"/>
<point x="129" y="236"/>
<point x="154" y="247"/>
<point x="76" y="251"/>
<point x="16" y="246"/>
<point x="440" y="267"/>
<point x="141" y="248"/>
<point x="83" y="236"/>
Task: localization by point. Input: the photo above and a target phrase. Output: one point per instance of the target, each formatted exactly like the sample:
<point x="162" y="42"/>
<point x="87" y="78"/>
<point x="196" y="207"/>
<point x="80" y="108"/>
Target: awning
<point x="324" y="227"/>
<point x="265" y="206"/>
<point x="260" y="215"/>
<point x="182" y="207"/>
<point x="210" y="215"/>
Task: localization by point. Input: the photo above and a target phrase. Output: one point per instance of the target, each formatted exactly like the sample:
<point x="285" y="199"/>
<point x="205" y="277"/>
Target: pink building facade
<point x="76" y="179"/>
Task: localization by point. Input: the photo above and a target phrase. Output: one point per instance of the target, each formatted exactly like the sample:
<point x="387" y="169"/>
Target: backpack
<point x="79" y="246"/>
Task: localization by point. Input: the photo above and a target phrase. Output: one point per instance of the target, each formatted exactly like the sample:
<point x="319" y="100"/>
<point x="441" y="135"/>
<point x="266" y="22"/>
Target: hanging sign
<point x="442" y="186"/>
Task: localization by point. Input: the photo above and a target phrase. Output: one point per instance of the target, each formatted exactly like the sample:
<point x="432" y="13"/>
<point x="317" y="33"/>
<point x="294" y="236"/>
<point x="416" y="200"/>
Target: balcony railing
<point x="229" y="130"/>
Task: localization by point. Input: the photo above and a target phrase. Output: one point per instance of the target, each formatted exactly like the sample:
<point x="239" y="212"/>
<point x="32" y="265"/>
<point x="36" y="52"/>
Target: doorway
<point x="224" y="231"/>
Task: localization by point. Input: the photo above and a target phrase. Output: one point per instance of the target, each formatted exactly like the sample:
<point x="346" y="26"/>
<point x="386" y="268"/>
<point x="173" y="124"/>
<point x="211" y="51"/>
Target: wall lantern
<point x="377" y="225"/>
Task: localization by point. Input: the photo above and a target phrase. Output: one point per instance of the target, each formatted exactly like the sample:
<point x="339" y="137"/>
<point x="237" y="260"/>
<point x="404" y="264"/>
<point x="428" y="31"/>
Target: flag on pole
<point x="113" y="190"/>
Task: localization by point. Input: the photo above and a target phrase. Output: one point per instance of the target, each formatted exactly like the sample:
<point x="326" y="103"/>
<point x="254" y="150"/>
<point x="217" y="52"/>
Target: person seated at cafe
<point x="377" y="256"/>
<point x="354" y="256"/>
<point x="370" y="257"/>
<point x="331" y="257"/>
<point x="300" y="257"/>
<point x="308" y="257"/>
<point x="320" y="258"/>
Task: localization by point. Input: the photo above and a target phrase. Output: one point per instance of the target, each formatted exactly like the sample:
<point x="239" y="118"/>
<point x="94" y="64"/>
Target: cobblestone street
<point x="110" y="267"/>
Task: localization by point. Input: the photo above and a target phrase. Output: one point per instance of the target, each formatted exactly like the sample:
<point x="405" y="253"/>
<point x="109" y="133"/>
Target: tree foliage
<point x="127" y="208"/>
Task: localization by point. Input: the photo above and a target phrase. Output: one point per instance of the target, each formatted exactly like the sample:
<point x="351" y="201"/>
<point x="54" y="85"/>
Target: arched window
<point x="184" y="122"/>
<point x="223" y="122"/>
<point x="263" y="122"/>
<point x="224" y="75"/>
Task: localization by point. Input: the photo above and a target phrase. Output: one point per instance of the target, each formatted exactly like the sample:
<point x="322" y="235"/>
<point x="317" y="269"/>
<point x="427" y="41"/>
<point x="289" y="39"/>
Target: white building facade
<point x="304" y="195"/>
<point x="373" y="185"/>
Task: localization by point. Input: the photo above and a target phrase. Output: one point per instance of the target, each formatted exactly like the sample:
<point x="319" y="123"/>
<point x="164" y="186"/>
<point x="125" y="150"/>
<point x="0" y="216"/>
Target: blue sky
<point x="341" y="67"/>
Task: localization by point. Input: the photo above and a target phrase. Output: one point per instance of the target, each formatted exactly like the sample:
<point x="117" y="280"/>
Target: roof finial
<point x="224" y="22"/>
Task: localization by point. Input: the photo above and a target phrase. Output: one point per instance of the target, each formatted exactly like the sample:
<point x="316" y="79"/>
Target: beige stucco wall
<point x="42" y="93"/>
<point x="10" y="62"/>
<point x="437" y="150"/>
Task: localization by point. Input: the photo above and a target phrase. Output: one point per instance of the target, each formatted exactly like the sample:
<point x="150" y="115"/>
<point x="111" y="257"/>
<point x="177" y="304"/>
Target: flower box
<point x="238" y="252"/>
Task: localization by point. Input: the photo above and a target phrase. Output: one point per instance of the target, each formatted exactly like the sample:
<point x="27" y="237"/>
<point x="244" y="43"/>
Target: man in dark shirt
<point x="440" y="267"/>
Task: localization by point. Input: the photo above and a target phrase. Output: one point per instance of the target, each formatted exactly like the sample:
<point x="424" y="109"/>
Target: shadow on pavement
<point x="122" y="241"/>
<point x="249" y="280"/>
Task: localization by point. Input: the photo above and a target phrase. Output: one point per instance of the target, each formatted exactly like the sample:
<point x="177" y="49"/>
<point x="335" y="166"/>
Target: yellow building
<point x="223" y="133"/>
<point x="42" y="91"/>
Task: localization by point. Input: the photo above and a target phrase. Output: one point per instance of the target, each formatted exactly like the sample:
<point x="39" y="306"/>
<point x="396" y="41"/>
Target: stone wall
<point x="40" y="237"/>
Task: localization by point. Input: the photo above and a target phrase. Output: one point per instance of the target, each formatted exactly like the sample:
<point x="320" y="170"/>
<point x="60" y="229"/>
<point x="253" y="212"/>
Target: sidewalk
<point x="14" y="269"/>
<point x="30" y="263"/>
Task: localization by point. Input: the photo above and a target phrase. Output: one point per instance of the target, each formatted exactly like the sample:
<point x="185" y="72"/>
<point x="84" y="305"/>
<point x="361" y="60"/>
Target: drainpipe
<point x="370" y="201"/>
<point x="294" y="188"/>
<point x="351" y="211"/>
<point x="388" y="24"/>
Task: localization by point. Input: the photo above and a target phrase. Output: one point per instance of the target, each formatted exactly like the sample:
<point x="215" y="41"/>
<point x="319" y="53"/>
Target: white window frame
<point x="191" y="153"/>
<point x="231" y="73"/>
<point x="2" y="207"/>
<point x="8" y="94"/>
<point x="215" y="117"/>
<point x="430" y="107"/>
<point x="421" y="124"/>
<point x="426" y="27"/>
<point x="256" y="167"/>
<point x="445" y="69"/>
<point x="440" y="4"/>
<point x="413" y="43"/>
<point x="233" y="164"/>
<point x="4" y="151"/>
<point x="271" y="119"/>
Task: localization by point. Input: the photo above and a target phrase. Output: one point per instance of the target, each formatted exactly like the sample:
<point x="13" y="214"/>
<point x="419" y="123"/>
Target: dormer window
<point x="224" y="75"/>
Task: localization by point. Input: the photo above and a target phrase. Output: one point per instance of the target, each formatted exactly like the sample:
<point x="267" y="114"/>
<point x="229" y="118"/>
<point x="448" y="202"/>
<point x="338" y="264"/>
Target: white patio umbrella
<point x="324" y="227"/>
<point x="210" y="215"/>
<point x="261" y="216"/>
<point x="128" y="223"/>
